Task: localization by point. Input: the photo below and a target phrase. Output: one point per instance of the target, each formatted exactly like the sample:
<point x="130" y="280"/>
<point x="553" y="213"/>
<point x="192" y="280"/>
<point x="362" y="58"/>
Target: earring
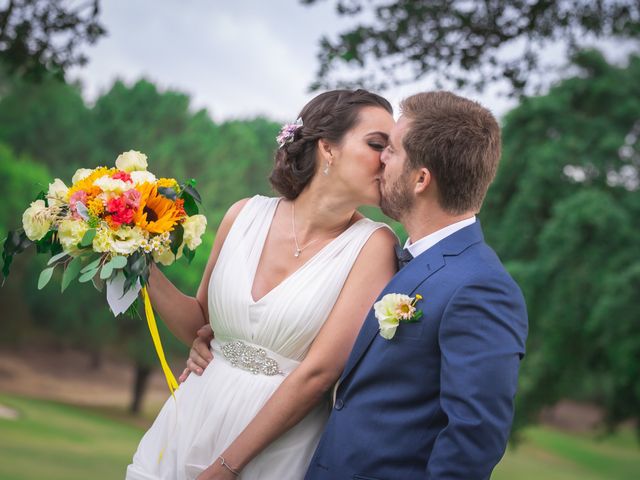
<point x="326" y="169"/>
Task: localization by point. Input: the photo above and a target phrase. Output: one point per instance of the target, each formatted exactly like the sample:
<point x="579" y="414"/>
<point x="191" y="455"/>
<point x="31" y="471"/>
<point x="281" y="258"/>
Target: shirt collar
<point x="423" y="244"/>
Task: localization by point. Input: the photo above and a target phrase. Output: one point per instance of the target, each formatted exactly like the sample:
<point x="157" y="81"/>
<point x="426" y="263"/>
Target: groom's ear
<point x="423" y="180"/>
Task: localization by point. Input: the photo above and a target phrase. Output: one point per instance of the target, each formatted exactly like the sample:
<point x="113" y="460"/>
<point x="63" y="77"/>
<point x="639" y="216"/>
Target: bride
<point x="287" y="286"/>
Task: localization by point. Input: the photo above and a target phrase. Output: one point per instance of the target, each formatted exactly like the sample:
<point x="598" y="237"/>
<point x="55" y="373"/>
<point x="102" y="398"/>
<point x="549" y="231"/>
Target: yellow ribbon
<point x="155" y="336"/>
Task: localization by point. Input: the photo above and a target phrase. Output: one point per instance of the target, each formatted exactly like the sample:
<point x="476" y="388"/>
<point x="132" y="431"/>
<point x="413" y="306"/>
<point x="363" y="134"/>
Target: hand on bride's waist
<point x="200" y="355"/>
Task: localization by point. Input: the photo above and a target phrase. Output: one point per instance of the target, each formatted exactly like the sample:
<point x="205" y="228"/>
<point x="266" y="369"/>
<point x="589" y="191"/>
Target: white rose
<point x="57" y="193"/>
<point x="194" y="227"/>
<point x="140" y="176"/>
<point x="36" y="220"/>
<point x="81" y="174"/>
<point x="166" y="257"/>
<point x="115" y="185"/>
<point x="131" y="161"/>
<point x="70" y="232"/>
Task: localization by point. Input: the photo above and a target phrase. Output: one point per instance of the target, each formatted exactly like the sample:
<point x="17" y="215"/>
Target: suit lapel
<point x="405" y="281"/>
<point x="409" y="278"/>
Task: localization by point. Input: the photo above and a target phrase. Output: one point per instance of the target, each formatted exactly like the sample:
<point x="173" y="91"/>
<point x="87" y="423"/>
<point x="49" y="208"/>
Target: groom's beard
<point x="396" y="198"/>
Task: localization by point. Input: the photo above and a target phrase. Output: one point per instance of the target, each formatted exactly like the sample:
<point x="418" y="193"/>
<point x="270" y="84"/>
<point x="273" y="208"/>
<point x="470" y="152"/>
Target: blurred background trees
<point x="562" y="214"/>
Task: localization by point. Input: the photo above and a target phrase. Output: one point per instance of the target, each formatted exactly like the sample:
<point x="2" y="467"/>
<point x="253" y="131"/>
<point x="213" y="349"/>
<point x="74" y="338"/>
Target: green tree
<point x="41" y="36"/>
<point x="462" y="42"/>
<point x="49" y="122"/>
<point x="563" y="215"/>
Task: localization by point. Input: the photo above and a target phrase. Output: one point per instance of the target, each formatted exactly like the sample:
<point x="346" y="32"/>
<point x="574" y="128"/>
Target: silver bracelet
<point x="226" y="465"/>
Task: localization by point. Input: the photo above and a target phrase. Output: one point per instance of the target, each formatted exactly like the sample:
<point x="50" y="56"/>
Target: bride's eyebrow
<point x="384" y="135"/>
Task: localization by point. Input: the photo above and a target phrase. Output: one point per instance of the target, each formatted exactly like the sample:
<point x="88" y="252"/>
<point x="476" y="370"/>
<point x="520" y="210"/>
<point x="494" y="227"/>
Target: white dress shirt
<point x="421" y="245"/>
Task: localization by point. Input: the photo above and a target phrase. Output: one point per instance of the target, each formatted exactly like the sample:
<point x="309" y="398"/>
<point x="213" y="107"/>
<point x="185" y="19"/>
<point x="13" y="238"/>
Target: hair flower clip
<point x="287" y="132"/>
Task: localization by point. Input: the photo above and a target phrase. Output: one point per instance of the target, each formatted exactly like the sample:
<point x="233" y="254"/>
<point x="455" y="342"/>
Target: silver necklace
<point x="299" y="249"/>
<point x="295" y="238"/>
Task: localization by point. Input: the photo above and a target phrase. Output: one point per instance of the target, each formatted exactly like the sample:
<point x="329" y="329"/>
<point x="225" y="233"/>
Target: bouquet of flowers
<point x="108" y="228"/>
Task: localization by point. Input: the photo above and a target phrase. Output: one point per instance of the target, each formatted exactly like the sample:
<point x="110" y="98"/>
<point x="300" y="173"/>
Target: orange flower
<point x="156" y="214"/>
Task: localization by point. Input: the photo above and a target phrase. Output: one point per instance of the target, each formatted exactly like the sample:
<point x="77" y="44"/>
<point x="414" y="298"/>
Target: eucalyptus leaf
<point x="57" y="257"/>
<point x="119" y="261"/>
<point x="45" y="276"/>
<point x="71" y="272"/>
<point x="82" y="211"/>
<point x="91" y="266"/>
<point x="107" y="270"/>
<point x="88" y="237"/>
<point x="88" y="275"/>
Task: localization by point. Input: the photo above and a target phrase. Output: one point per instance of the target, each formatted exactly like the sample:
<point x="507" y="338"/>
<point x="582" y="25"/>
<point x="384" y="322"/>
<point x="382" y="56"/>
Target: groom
<point x="435" y="401"/>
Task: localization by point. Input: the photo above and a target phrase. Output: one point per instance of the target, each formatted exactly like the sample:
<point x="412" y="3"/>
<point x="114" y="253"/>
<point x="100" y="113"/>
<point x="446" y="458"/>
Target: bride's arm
<point x="184" y="314"/>
<point x="307" y="384"/>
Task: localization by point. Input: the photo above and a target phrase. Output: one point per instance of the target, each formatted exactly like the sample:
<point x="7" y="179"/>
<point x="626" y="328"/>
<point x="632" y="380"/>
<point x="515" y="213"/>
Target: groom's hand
<point x="199" y="355"/>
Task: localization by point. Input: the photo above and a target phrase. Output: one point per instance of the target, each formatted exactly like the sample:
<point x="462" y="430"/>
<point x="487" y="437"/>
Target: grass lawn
<point x="61" y="442"/>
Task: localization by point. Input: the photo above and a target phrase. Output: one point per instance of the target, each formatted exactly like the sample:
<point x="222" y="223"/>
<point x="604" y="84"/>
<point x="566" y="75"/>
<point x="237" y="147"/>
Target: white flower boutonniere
<point x="394" y="308"/>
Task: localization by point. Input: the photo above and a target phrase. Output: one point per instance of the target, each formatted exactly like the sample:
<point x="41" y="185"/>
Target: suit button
<point x="339" y="404"/>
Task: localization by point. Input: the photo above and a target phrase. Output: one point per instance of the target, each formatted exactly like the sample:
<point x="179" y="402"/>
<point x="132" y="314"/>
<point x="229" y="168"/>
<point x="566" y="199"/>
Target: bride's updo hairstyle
<point x="329" y="116"/>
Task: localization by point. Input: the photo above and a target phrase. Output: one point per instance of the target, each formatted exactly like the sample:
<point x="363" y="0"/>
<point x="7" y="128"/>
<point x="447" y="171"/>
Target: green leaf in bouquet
<point x="43" y="196"/>
<point x="94" y="265"/>
<point x="168" y="192"/>
<point x="188" y="253"/>
<point x="88" y="275"/>
<point x="190" y="189"/>
<point x="88" y="237"/>
<point x="57" y="257"/>
<point x="190" y="206"/>
<point x="106" y="271"/>
<point x="97" y="283"/>
<point x="118" y="262"/>
<point x="176" y="236"/>
<point x="45" y="276"/>
<point x="71" y="272"/>
<point x="44" y="244"/>
<point x="16" y="242"/>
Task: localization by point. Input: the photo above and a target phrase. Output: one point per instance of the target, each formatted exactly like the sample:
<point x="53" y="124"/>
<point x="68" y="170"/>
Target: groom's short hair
<point x="458" y="140"/>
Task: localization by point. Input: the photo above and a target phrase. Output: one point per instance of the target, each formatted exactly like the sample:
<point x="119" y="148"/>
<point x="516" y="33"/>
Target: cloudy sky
<point x="236" y="58"/>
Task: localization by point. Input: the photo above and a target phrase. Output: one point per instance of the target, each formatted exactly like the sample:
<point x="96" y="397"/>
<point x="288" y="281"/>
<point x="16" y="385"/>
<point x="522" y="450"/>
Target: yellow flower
<point x="156" y="214"/>
<point x="167" y="183"/>
<point x="70" y="232"/>
<point x="95" y="206"/>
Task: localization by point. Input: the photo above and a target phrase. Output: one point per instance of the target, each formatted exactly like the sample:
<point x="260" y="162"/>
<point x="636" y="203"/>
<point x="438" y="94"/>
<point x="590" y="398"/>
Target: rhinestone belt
<point x="251" y="359"/>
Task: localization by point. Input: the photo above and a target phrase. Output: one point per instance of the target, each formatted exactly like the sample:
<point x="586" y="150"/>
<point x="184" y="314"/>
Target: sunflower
<point x="156" y="214"/>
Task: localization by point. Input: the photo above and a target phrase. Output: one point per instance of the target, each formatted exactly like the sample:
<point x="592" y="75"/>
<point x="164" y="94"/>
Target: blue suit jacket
<point x="436" y="401"/>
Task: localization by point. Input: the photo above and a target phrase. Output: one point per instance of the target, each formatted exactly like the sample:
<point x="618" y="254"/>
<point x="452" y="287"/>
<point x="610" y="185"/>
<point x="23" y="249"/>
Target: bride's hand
<point x="217" y="472"/>
<point x="199" y="355"/>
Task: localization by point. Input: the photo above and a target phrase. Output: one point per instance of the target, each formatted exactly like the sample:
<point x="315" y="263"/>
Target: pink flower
<point x="124" y="176"/>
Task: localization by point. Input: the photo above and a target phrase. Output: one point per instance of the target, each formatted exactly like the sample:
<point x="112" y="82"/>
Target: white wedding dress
<point x="209" y="411"/>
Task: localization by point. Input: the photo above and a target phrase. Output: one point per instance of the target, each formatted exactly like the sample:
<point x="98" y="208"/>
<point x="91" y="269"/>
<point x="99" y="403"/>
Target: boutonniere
<point x="394" y="308"/>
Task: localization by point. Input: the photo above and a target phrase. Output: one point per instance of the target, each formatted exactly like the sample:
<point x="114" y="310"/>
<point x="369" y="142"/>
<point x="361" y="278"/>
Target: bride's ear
<point x="325" y="150"/>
